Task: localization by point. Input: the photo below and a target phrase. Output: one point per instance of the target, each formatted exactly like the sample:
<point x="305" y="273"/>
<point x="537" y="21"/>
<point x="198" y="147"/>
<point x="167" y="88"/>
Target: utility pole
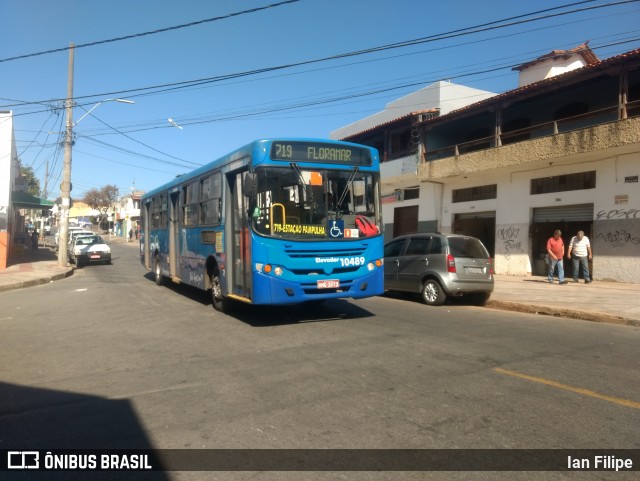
<point x="65" y="188"/>
<point x="45" y="191"/>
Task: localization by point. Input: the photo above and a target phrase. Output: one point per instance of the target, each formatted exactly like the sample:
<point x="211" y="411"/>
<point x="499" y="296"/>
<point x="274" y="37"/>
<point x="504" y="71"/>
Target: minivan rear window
<point x="466" y="247"/>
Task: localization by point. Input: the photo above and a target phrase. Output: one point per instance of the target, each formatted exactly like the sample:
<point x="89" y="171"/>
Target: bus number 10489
<point x="352" y="261"/>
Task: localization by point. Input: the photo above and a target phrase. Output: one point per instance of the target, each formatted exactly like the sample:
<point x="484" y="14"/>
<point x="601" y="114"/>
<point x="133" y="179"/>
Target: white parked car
<point x="77" y="233"/>
<point x="71" y="229"/>
<point x="87" y="249"/>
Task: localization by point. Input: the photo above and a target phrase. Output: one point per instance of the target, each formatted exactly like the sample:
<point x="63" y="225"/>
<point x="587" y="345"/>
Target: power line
<point x="152" y="32"/>
<point x="445" y="74"/>
<point x="337" y="98"/>
<point x="496" y="24"/>
<point x="142" y="143"/>
<point x="343" y="97"/>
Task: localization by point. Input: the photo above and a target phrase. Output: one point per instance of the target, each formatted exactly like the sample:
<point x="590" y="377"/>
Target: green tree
<point x="102" y="200"/>
<point x="28" y="179"/>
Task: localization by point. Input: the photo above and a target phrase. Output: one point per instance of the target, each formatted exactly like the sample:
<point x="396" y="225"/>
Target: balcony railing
<point x="545" y="129"/>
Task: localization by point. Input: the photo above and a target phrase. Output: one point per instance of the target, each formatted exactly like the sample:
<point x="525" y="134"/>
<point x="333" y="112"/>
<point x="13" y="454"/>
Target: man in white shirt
<point x="580" y="254"/>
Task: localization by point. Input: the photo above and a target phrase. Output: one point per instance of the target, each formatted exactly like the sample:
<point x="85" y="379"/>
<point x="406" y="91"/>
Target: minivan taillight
<point x="451" y="263"/>
<point x="491" y="266"/>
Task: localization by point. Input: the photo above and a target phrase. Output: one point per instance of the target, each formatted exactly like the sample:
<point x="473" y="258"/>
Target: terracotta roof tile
<point x="542" y="84"/>
<point x="585" y="52"/>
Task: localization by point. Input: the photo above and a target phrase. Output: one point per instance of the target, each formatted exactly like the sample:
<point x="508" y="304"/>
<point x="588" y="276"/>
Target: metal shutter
<point x="567" y="213"/>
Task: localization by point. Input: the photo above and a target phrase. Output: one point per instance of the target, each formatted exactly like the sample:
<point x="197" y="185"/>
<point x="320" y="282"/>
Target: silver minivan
<point x="439" y="266"/>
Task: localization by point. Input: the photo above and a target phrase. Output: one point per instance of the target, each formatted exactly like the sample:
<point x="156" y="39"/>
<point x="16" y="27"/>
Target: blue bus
<point x="279" y="221"/>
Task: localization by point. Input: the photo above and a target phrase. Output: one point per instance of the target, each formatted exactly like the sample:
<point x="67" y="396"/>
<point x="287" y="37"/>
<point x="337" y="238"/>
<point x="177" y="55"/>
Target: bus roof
<point x="257" y="151"/>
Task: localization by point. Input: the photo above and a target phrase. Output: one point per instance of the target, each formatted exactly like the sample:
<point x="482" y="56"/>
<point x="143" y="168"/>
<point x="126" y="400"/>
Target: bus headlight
<point x="278" y="271"/>
<point x="372" y="265"/>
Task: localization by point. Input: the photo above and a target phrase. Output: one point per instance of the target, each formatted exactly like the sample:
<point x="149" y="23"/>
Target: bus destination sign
<point x="320" y="152"/>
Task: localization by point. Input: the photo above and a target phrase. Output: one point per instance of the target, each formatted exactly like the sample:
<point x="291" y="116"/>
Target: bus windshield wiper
<point x="298" y="172"/>
<point x="346" y="187"/>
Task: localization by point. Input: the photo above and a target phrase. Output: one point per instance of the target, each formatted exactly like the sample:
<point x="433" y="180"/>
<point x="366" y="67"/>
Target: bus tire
<point x="220" y="303"/>
<point x="157" y="271"/>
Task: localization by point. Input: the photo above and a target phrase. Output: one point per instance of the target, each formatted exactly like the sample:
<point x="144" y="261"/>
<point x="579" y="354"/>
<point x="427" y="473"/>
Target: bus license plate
<point x="328" y="284"/>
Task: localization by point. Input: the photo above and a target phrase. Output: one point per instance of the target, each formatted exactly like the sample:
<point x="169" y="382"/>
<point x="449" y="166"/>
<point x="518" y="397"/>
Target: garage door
<point x="566" y="213"/>
<point x="405" y="220"/>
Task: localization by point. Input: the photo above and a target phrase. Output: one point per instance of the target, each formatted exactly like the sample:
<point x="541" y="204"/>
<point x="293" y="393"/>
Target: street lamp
<point x="65" y="187"/>
<point x="124" y="101"/>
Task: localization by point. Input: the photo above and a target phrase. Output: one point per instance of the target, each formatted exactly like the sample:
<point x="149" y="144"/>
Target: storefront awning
<point x="22" y="200"/>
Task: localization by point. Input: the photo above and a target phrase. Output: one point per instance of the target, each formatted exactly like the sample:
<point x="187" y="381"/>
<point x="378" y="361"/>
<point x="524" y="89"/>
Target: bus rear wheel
<point x="220" y="303"/>
<point x="157" y="271"/>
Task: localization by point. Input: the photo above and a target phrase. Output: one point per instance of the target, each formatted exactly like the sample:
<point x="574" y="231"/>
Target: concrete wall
<point x="8" y="171"/>
<point x="612" y="150"/>
<point x="616" y="227"/>
<point x="549" y="68"/>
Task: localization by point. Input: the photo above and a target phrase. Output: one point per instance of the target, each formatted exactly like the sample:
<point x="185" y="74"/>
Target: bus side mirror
<point x="250" y="184"/>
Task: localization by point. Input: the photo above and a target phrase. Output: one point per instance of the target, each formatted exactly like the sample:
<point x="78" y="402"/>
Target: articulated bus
<point x="275" y="222"/>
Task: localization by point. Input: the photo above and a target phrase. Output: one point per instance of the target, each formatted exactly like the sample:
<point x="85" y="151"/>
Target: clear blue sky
<point x="135" y="145"/>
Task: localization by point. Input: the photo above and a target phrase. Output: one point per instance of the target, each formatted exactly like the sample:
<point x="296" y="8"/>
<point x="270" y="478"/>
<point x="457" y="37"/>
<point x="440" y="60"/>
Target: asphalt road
<point x="107" y="359"/>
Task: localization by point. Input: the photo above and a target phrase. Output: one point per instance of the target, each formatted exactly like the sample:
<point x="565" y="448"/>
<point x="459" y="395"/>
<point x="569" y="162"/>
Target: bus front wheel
<point x="220" y="303"/>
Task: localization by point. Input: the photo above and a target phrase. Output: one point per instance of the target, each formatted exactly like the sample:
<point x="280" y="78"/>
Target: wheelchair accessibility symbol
<point x="336" y="229"/>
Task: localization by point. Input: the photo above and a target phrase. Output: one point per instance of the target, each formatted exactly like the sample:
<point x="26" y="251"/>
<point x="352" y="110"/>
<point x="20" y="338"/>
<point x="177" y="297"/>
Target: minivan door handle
<point x="426" y="260"/>
<point x="398" y="262"/>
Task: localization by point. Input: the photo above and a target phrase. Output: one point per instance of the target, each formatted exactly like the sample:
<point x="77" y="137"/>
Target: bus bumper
<point x="269" y="289"/>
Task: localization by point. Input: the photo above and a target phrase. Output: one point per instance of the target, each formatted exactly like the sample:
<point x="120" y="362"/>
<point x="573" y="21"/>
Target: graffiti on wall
<point x="618" y="214"/>
<point x="618" y="238"/>
<point x="617" y="232"/>
<point x="508" y="237"/>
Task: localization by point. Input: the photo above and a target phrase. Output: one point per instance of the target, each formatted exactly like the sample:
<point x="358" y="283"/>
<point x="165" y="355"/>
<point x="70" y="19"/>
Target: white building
<point x="8" y="174"/>
<point x="560" y="153"/>
<point x="127" y="214"/>
<point x="395" y="132"/>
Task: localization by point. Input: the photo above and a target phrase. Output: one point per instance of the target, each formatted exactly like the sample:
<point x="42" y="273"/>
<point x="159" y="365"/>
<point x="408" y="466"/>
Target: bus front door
<point x="238" y="228"/>
<point x="174" y="232"/>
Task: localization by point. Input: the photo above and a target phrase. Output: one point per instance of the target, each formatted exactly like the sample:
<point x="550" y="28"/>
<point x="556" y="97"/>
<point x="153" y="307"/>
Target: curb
<point x="559" y="312"/>
<point x="37" y="281"/>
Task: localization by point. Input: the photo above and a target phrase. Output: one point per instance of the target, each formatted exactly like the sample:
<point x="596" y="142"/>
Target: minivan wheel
<point x="432" y="293"/>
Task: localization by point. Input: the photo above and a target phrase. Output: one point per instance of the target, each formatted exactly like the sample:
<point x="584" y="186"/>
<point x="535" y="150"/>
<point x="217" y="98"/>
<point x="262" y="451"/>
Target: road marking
<point x="578" y="390"/>
<point x="80" y="290"/>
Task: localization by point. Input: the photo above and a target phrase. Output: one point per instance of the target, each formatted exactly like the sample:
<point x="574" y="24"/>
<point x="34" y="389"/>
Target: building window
<point x="479" y="139"/>
<point x="564" y="183"/>
<point x="412" y="193"/>
<point x="470" y="194"/>
<point x="376" y="141"/>
<point x="399" y="142"/>
<point x="571" y="110"/>
<point x="519" y="128"/>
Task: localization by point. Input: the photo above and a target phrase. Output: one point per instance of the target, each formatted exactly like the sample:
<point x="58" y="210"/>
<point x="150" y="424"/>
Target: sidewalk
<point x="599" y="301"/>
<point x="31" y="268"/>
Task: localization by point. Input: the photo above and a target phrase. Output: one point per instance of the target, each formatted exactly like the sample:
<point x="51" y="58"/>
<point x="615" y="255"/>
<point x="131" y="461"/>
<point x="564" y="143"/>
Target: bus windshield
<point x="299" y="203"/>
